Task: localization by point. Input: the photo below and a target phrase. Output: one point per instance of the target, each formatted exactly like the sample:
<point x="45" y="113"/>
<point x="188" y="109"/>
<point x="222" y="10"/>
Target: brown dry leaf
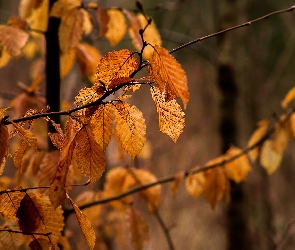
<point x="67" y="60"/>
<point x="290" y="96"/>
<point x="115" y="64"/>
<point x="175" y="185"/>
<point x="292" y="124"/>
<point x="9" y="203"/>
<point x="138" y="228"/>
<point x="88" y="58"/>
<point x="19" y="154"/>
<point x="12" y="40"/>
<point x="215" y="185"/>
<point x="85" y="225"/>
<point x="41" y="244"/>
<point x="70" y="29"/>
<point x="171" y="116"/>
<point x="88" y="95"/>
<point x="26" y="7"/>
<point x="168" y="75"/>
<point x="119" y="81"/>
<point x="282" y="135"/>
<point x="61" y="7"/>
<point x="26" y="135"/>
<point x="103" y="20"/>
<point x="4" y="58"/>
<point x="238" y="169"/>
<point x="101" y="123"/>
<point x="134" y="28"/>
<point x="36" y="214"/>
<point x="4" y="136"/>
<point x="270" y="159"/>
<point x="195" y="183"/>
<point x="256" y="137"/>
<point x="17" y="22"/>
<point x="116" y="26"/>
<point x="10" y="240"/>
<point x="151" y="35"/>
<point x="90" y="158"/>
<point x="130" y="127"/>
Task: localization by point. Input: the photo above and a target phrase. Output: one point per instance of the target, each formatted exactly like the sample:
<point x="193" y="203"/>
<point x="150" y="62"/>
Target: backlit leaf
<point x="175" y="185"/>
<point x="256" y="137"/>
<point x="130" y="127"/>
<point x="282" y="135"/>
<point x="101" y="123"/>
<point x="88" y="95"/>
<point x="87" y="22"/>
<point x="195" y="183"/>
<point x="270" y="159"/>
<point x="116" y="64"/>
<point x="238" y="169"/>
<point x="41" y="244"/>
<point x="4" y="58"/>
<point x="134" y="28"/>
<point x="138" y="228"/>
<point x="61" y="7"/>
<point x="26" y="7"/>
<point x="85" y="225"/>
<point x="67" y="60"/>
<point x="171" y="116"/>
<point x="4" y="135"/>
<point x="116" y="26"/>
<point x="18" y="155"/>
<point x="12" y="40"/>
<point x="292" y="124"/>
<point x="26" y="135"/>
<point x="9" y="203"/>
<point x="10" y="240"/>
<point x="103" y="20"/>
<point x="36" y="214"/>
<point x="90" y="157"/>
<point x="290" y="96"/>
<point x="168" y="75"/>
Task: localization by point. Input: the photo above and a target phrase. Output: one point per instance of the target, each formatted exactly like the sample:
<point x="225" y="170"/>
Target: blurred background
<point x="261" y="57"/>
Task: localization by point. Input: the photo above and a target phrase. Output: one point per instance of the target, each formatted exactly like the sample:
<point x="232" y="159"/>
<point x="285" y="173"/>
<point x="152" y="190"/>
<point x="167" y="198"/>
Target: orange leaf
<point x="4" y="135"/>
<point x="175" y="185"/>
<point x="61" y="7"/>
<point x="10" y="240"/>
<point x="40" y="244"/>
<point x="171" y="116"/>
<point x="18" y="155"/>
<point x="26" y="135"/>
<point x="282" y="135"/>
<point x="168" y="75"/>
<point x="138" y="228"/>
<point x="87" y="22"/>
<point x="195" y="183"/>
<point x="12" y="39"/>
<point x="116" y="26"/>
<point x="90" y="157"/>
<point x="4" y="58"/>
<point x="115" y="64"/>
<point x="270" y="159"/>
<point x="88" y="95"/>
<point x="130" y="127"/>
<point x="9" y="203"/>
<point x="85" y="225"/>
<point x="101" y="123"/>
<point x="103" y="20"/>
<point x="134" y="28"/>
<point x="290" y="96"/>
<point x="67" y="60"/>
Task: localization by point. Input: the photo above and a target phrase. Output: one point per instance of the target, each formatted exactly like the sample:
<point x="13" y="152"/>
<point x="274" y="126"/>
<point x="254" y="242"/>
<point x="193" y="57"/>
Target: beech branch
<point x="25" y="233"/>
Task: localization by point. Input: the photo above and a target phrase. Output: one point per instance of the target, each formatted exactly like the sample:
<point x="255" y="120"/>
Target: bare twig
<point x="25" y="233"/>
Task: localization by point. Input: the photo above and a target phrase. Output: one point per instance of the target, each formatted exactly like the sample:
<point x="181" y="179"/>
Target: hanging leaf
<point x="168" y="75"/>
<point x="116" y="26"/>
<point x="87" y="22"/>
<point x="67" y="60"/>
<point x="88" y="95"/>
<point x="270" y="159"/>
<point x="41" y="244"/>
<point x="175" y="185"/>
<point x="90" y="157"/>
<point x="10" y="240"/>
<point x="101" y="123"/>
<point x="85" y="225"/>
<point x="282" y="135"/>
<point x="290" y="96"/>
<point x="195" y="183"/>
<point x="103" y="18"/>
<point x="4" y="136"/>
<point x="9" y="203"/>
<point x="36" y="214"/>
<point x="61" y="7"/>
<point x="292" y="124"/>
<point x="130" y="127"/>
<point x="4" y="58"/>
<point x="238" y="169"/>
<point x="18" y="155"/>
<point x="171" y="117"/>
<point x="256" y="137"/>
<point x="138" y="228"/>
<point x="115" y="64"/>
<point x="26" y="135"/>
<point x="12" y="40"/>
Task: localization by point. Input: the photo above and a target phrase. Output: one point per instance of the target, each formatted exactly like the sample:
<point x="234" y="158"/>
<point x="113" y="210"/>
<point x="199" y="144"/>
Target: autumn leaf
<point x="36" y="214"/>
<point x="85" y="225"/>
<point x="4" y="136"/>
<point x="270" y="159"/>
<point x="115" y="64"/>
<point x="90" y="158"/>
<point x="116" y="26"/>
<point x="12" y="40"/>
<point x="292" y="124"/>
<point x="130" y="127"/>
<point x="41" y="244"/>
<point x="61" y="7"/>
<point x="101" y="123"/>
<point x="195" y="183"/>
<point x="67" y="60"/>
<point x="168" y="75"/>
<point x="9" y="203"/>
<point x="171" y="116"/>
<point x="88" y="95"/>
<point x="256" y="137"/>
<point x="238" y="169"/>
<point x="26" y="135"/>
<point x="175" y="185"/>
<point x="138" y="228"/>
<point x="103" y="20"/>
<point x="87" y="22"/>
<point x="10" y="240"/>
<point x="18" y="155"/>
<point x="4" y="58"/>
<point x="282" y="135"/>
<point x="290" y="96"/>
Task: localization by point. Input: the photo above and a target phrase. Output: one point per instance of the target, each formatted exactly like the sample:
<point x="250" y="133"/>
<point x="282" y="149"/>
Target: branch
<point x="25" y="233"/>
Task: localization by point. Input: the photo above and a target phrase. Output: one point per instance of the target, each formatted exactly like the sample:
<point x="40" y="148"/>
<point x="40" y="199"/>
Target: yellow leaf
<point x="9" y="203"/>
<point x="103" y="20"/>
<point x="175" y="185"/>
<point x="290" y="96"/>
<point x="282" y="135"/>
<point x="67" y="60"/>
<point x="116" y="26"/>
<point x="12" y="40"/>
<point x="115" y="64"/>
<point x="138" y="228"/>
<point x="194" y="184"/>
<point x="85" y="225"/>
<point x="70" y="29"/>
<point x="26" y="135"/>
<point x="101" y="123"/>
<point x="270" y="159"/>
<point x="88" y="58"/>
<point x="168" y="75"/>
<point x="90" y="157"/>
<point x="292" y="124"/>
<point x="87" y="22"/>
<point x="215" y="185"/>
<point x="61" y="7"/>
<point x="256" y="137"/>
<point x="171" y="116"/>
<point x="238" y="169"/>
<point x="36" y="214"/>
<point x="4" y="58"/>
<point x="130" y="127"/>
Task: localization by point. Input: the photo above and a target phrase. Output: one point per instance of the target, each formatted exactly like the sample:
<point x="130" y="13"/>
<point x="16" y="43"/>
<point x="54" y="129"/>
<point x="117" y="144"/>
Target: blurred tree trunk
<point x="237" y="219"/>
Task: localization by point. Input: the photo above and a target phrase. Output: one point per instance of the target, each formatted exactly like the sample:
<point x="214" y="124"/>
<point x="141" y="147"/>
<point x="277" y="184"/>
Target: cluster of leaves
<point x="98" y="117"/>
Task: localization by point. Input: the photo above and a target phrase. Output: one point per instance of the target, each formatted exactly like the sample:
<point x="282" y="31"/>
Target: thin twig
<point x="25" y="233"/>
